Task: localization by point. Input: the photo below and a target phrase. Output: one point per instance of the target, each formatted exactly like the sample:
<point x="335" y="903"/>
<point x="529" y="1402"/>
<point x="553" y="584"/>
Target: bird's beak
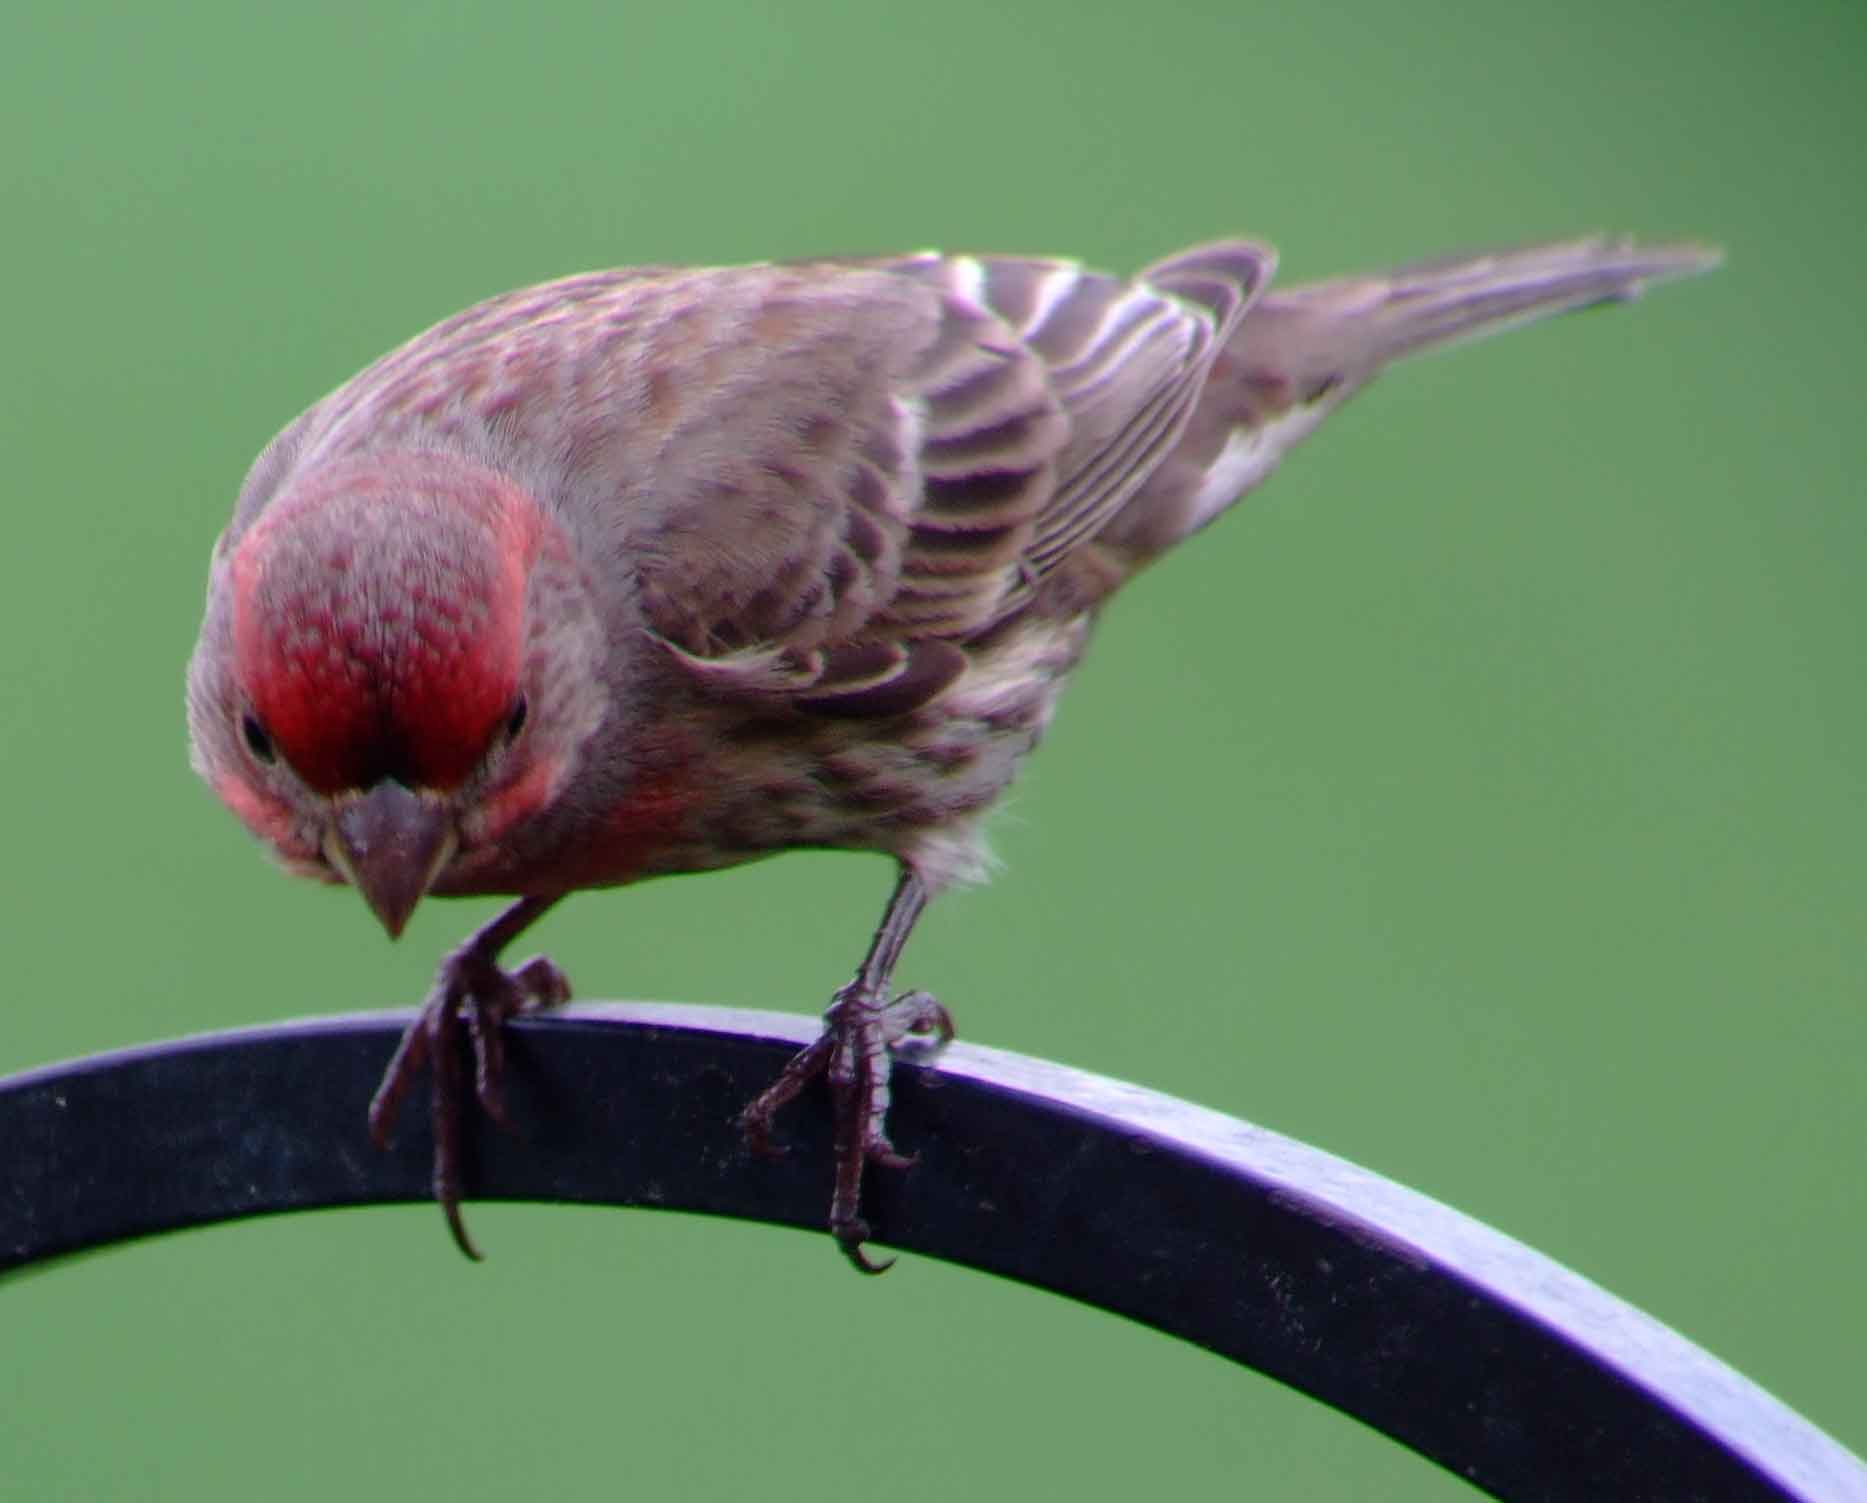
<point x="390" y="844"/>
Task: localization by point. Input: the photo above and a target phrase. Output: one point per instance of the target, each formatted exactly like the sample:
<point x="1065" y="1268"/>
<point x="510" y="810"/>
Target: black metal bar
<point x="1488" y="1358"/>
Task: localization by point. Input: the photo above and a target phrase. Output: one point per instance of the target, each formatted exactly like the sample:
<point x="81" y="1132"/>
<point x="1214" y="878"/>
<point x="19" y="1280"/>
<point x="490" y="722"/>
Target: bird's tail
<point x="1299" y="353"/>
<point x="1353" y="326"/>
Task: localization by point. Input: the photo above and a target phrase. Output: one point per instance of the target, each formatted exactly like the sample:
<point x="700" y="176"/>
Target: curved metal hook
<point x="1481" y="1354"/>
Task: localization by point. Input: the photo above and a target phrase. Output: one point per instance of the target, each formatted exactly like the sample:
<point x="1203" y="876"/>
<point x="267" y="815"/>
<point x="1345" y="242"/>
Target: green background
<point x="1483" y="802"/>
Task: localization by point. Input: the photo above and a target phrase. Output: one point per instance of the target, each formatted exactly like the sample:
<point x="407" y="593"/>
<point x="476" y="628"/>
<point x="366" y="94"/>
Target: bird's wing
<point x="1128" y="361"/>
<point x="893" y="454"/>
<point x="816" y="480"/>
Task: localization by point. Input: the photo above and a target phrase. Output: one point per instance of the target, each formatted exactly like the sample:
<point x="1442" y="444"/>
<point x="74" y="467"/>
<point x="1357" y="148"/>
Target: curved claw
<point x="850" y="1238"/>
<point x="853" y="1056"/>
<point x="410" y="1057"/>
<point x="920" y="1015"/>
<point x="471" y="996"/>
<point x="457" y="1225"/>
<point x="755" y="1121"/>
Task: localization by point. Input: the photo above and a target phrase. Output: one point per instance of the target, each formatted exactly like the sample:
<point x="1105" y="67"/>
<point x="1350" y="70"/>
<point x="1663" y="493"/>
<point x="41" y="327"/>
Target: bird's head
<point x="398" y="669"/>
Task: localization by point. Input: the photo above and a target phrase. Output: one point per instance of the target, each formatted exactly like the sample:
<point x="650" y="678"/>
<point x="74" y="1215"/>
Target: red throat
<point x="379" y="620"/>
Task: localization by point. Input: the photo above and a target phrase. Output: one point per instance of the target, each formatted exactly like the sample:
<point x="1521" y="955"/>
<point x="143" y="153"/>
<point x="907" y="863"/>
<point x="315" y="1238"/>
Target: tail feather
<point x="1357" y="324"/>
<point x="1299" y="353"/>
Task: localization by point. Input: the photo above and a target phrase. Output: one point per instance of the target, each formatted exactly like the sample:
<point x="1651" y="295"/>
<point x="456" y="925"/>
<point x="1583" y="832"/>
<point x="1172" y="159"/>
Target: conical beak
<point x="390" y="844"/>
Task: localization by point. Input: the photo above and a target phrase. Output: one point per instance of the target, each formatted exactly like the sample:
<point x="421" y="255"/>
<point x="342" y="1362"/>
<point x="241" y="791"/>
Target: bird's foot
<point x="472" y="995"/>
<point x="852" y="1054"/>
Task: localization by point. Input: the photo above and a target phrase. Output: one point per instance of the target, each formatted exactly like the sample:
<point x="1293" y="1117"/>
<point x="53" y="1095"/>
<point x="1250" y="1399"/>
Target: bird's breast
<point x="735" y="780"/>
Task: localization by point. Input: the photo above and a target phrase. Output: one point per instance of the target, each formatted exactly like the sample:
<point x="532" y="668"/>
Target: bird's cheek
<point x="269" y="818"/>
<point x="532" y="790"/>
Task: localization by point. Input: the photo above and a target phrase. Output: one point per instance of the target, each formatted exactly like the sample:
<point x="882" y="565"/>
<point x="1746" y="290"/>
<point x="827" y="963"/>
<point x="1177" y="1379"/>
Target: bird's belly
<point x="890" y="784"/>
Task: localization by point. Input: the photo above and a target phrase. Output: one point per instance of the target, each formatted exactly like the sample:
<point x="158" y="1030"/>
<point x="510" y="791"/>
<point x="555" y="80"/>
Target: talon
<point x="852" y="1056"/>
<point x="755" y="1122"/>
<point x="755" y="1127"/>
<point x="457" y="1225"/>
<point x="543" y="984"/>
<point x="849" y="1238"/>
<point x="471" y="996"/>
<point x="489" y="1060"/>
<point x="409" y="1058"/>
<point x="921" y="1015"/>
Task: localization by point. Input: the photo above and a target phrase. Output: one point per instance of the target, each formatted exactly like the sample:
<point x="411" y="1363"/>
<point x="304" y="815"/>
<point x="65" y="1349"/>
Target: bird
<point x="664" y="569"/>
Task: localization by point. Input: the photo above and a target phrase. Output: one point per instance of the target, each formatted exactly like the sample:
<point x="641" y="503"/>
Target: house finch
<point x="661" y="570"/>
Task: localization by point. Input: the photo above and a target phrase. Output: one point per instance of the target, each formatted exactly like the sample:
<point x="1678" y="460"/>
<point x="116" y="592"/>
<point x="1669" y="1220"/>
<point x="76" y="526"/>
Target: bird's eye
<point x="515" y="718"/>
<point x="257" y="741"/>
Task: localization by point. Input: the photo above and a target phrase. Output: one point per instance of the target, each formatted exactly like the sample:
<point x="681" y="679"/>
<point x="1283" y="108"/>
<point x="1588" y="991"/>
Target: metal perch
<point x="1481" y="1354"/>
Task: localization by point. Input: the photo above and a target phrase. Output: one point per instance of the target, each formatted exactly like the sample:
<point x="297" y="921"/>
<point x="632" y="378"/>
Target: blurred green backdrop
<point x="1484" y="802"/>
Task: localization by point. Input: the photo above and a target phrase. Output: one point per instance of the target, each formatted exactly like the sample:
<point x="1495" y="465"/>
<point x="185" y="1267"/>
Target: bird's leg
<point x="471" y="994"/>
<point x="860" y="1028"/>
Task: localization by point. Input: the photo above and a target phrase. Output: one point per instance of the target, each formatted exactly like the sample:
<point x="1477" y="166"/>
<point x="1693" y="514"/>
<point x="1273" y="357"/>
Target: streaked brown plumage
<point x="661" y="570"/>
